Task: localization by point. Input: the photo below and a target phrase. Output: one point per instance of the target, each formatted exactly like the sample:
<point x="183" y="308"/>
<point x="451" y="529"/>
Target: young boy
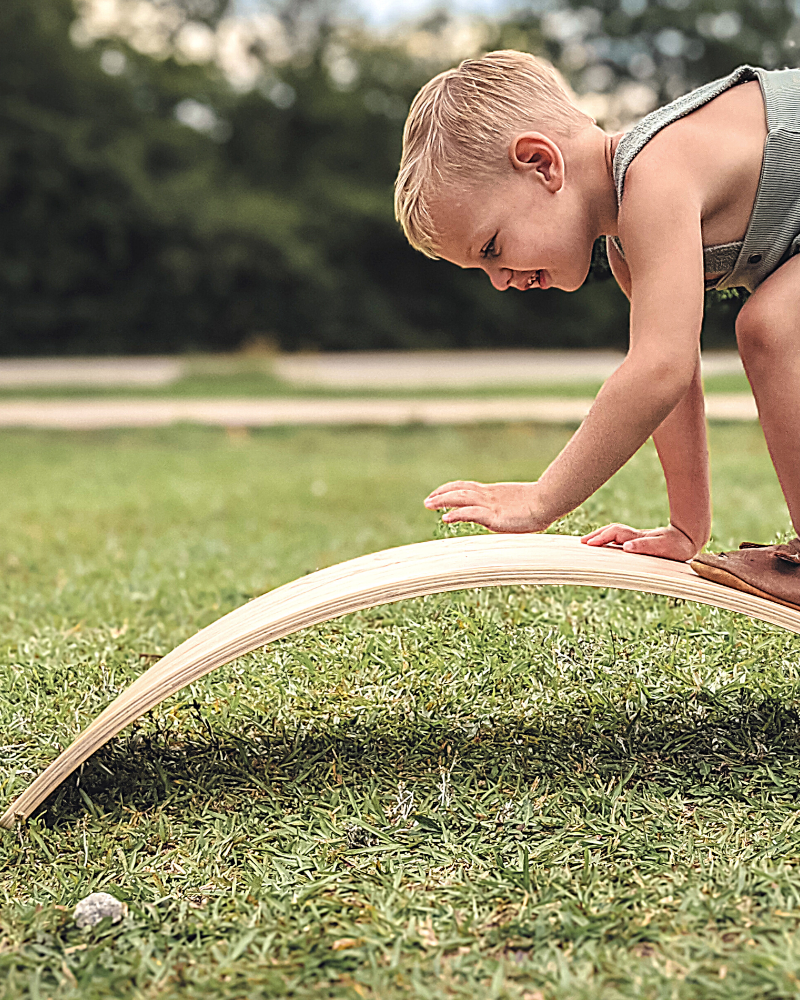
<point x="500" y="171"/>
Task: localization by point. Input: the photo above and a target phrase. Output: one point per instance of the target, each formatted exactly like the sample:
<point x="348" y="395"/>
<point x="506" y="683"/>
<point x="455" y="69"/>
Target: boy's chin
<point x="577" y="281"/>
<point x="568" y="282"/>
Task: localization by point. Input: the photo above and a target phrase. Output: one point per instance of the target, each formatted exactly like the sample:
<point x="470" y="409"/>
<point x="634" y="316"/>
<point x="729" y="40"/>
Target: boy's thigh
<point x="773" y="310"/>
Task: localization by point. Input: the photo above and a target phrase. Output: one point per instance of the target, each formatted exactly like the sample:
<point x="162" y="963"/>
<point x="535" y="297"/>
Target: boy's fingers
<point x="655" y="542"/>
<point x="446" y="500"/>
<point x="458" y="484"/>
<point x="594" y="537"/>
<point x="440" y="500"/>
<point x="655" y="546"/>
<point x="611" y="533"/>
<point x="478" y="515"/>
<point x="649" y="545"/>
<point x="659" y="545"/>
<point x="609" y="527"/>
<point x="454" y="498"/>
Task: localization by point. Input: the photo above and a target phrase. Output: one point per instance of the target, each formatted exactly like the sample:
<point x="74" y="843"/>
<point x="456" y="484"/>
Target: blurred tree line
<point x="152" y="205"/>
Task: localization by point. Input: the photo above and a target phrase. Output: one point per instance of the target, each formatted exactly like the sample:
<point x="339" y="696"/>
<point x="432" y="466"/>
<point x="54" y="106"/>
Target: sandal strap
<point x="788" y="552"/>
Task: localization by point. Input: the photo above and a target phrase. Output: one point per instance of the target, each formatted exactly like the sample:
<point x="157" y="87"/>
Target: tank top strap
<point x="720" y="260"/>
<point x="773" y="233"/>
<point x="634" y="140"/>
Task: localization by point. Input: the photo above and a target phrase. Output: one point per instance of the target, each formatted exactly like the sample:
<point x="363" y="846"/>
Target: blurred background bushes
<point x="176" y="174"/>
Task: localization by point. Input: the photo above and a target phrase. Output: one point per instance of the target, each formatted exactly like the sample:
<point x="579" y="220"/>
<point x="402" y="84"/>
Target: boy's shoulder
<point x="731" y="112"/>
<point x="707" y="161"/>
<point x="660" y="200"/>
<point x="699" y="110"/>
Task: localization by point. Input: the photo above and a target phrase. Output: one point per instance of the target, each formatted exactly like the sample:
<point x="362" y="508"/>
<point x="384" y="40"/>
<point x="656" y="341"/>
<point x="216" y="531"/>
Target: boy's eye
<point x="490" y="250"/>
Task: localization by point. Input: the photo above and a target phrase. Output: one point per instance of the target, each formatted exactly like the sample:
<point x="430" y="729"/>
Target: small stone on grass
<point x="94" y="907"/>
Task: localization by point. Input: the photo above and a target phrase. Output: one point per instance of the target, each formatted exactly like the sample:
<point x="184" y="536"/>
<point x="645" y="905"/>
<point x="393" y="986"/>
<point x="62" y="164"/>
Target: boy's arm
<point x="662" y="237"/>
<point x="682" y="446"/>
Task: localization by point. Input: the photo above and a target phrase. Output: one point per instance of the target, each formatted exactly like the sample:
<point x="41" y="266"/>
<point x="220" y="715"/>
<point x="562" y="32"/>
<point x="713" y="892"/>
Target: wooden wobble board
<point x="380" y="578"/>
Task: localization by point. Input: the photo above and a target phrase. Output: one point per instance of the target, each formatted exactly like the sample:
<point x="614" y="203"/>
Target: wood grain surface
<point x="380" y="578"/>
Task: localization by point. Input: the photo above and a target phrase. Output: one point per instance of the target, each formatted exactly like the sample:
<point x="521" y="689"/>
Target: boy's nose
<point x="500" y="277"/>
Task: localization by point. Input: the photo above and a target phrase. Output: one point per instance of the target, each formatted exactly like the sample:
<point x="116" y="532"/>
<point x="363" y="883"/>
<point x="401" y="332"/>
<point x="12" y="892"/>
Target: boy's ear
<point x="534" y="152"/>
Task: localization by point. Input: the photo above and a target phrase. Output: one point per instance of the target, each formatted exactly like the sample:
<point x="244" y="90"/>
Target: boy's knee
<point x="759" y="328"/>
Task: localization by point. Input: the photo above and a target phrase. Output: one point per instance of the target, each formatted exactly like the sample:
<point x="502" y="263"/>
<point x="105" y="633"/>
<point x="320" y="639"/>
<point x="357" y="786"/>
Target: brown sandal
<point x="769" y="571"/>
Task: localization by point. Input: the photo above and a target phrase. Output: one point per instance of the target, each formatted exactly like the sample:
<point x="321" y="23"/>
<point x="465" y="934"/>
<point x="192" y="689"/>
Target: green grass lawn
<point x="515" y="792"/>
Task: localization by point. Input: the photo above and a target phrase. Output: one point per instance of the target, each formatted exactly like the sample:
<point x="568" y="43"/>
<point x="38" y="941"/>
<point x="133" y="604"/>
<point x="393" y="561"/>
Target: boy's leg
<point x="768" y="332"/>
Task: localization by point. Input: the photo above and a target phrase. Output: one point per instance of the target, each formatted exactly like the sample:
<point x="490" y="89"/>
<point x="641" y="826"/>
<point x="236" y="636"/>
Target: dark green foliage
<point x="125" y="230"/>
<point x="121" y="230"/>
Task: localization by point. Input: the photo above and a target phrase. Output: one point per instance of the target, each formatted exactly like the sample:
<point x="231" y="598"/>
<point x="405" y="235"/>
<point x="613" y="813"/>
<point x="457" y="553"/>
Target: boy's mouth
<point x="537" y="280"/>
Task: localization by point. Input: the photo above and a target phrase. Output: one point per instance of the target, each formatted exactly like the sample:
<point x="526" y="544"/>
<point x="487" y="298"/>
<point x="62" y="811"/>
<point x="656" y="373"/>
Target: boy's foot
<point x="770" y="571"/>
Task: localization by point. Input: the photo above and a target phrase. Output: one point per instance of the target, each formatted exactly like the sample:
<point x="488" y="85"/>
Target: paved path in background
<point x="22" y="373"/>
<point x="365" y="370"/>
<point x="83" y="414"/>
<point x="464" y="369"/>
<point x="353" y="370"/>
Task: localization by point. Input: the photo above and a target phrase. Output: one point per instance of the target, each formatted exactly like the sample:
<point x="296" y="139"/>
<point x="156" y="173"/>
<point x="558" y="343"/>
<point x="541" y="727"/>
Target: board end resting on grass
<point x="381" y="578"/>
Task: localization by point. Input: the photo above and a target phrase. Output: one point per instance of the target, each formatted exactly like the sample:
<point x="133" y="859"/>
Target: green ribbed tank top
<point x="773" y="233"/>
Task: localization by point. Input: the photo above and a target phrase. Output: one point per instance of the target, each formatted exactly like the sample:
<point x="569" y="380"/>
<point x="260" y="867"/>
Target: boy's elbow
<point x="668" y="377"/>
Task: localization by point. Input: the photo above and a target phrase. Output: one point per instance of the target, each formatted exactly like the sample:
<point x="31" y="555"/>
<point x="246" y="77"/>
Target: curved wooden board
<point x="380" y="578"/>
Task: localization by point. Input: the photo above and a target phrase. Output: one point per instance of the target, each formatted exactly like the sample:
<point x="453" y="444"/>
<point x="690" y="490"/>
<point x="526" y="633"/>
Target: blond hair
<point x="461" y="122"/>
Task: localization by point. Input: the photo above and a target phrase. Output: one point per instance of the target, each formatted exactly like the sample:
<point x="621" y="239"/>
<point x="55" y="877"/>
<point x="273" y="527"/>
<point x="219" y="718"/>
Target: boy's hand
<point x="668" y="543"/>
<point x="497" y="506"/>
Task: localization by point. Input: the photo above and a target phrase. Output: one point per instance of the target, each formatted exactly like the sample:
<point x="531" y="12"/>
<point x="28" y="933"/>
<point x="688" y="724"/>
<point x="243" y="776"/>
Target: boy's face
<point x="527" y="229"/>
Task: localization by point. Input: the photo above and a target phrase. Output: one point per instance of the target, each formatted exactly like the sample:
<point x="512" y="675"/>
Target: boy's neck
<point x="593" y="158"/>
